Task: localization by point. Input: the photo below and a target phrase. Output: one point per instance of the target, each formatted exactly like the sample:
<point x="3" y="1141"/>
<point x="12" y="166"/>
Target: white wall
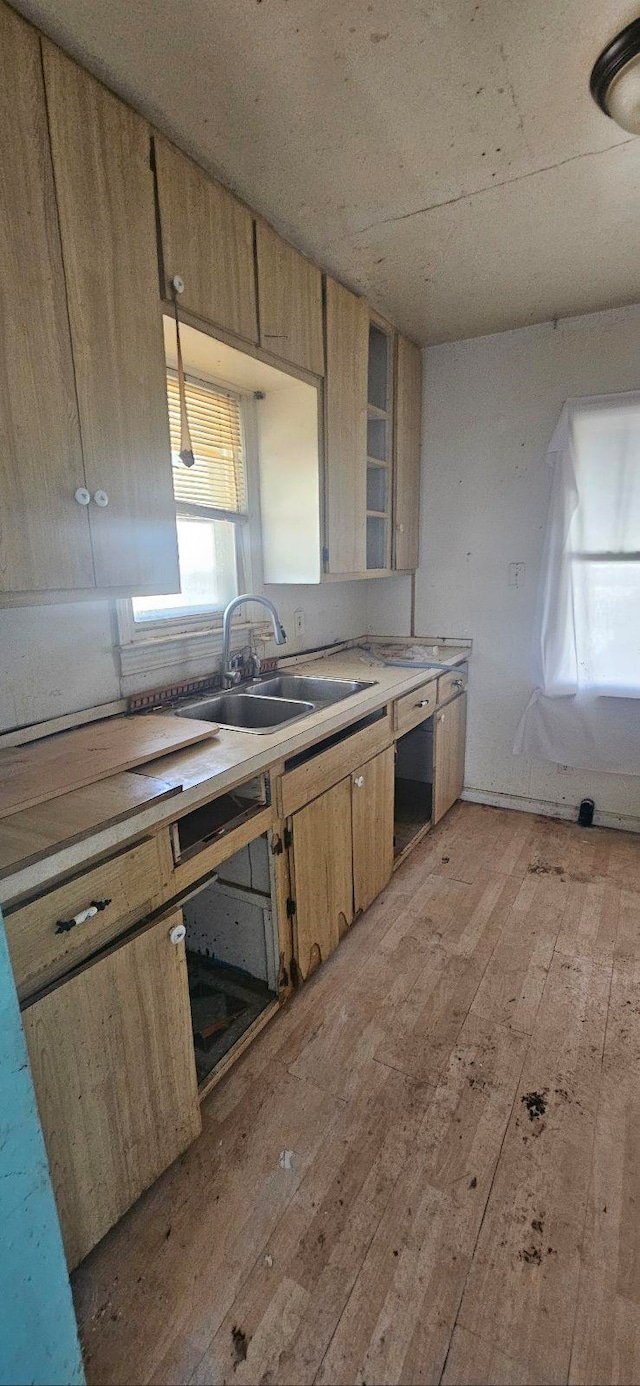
<point x="490" y="407"/>
<point x="59" y="659"/>
<point x="54" y="660"/>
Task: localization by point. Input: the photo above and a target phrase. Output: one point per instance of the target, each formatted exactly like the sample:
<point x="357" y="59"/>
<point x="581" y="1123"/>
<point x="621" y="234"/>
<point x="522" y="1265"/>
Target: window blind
<point x="217" y="480"/>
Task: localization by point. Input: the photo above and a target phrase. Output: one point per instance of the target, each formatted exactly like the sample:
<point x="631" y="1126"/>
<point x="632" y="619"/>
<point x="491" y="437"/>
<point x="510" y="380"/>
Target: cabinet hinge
<point x="280" y="844"/>
<point x="291" y="908"/>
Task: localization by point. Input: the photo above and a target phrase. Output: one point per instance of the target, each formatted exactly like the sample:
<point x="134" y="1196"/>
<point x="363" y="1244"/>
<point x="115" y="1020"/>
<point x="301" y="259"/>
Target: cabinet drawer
<point x="452" y="683"/>
<point x="415" y="706"/>
<point x="326" y="768"/>
<point x="131" y="883"/>
<point x="194" y="868"/>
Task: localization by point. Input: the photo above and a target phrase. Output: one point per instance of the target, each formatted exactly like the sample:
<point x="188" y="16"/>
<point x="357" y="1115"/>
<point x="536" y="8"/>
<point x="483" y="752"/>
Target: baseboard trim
<point x="625" y="822"/>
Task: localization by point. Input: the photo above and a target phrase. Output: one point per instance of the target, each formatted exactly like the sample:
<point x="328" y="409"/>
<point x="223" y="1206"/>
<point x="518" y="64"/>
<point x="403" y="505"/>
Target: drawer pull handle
<point x="177" y="933"/>
<point x="358" y="780"/>
<point x="63" y="926"/>
<point x="424" y="703"/>
<point x="458" y="683"/>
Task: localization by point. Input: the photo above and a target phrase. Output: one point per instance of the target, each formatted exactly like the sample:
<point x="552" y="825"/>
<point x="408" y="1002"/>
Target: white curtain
<point x="585" y="710"/>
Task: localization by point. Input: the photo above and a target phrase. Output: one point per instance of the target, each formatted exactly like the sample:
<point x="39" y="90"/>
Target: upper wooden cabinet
<point x="290" y="302"/>
<point x="206" y="239"/>
<point x="86" y="493"/>
<point x="346" y="430"/>
<point x="408" y="416"/>
<point x="45" y="540"/>
<point x="380" y="394"/>
<point x="104" y="189"/>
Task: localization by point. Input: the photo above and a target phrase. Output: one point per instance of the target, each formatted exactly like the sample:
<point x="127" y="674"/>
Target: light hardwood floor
<point x="372" y="1200"/>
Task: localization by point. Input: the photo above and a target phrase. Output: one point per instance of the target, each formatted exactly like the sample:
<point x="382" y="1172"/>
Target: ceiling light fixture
<point x="615" y="79"/>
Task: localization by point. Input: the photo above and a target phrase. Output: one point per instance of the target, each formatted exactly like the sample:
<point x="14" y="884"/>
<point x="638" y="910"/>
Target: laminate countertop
<point x="194" y="775"/>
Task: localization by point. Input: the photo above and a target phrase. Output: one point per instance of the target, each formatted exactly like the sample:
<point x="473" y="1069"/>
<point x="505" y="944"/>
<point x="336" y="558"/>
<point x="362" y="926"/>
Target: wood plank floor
<point x="427" y="1168"/>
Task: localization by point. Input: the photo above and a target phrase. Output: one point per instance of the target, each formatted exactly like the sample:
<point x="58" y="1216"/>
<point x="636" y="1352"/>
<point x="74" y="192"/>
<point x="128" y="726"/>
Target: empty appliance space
<point x="196" y="830"/>
<point x="232" y="953"/>
<point x="413" y="787"/>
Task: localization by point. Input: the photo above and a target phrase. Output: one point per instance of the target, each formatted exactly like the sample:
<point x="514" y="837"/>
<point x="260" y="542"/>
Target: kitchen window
<point x="585" y="711"/>
<point x="211" y="503"/>
<point x="604" y="548"/>
<point x="162" y="637"/>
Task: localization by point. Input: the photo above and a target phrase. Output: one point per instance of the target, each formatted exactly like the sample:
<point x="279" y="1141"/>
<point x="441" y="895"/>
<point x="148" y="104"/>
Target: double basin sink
<point x="268" y="704"/>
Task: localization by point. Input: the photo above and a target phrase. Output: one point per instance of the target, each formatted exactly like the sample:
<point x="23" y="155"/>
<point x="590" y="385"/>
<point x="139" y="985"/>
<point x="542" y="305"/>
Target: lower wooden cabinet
<point x="372" y="828"/>
<point x="322" y="857"/>
<point x="113" y="1068"/>
<point x="448" y="770"/>
<point x="342" y="846"/>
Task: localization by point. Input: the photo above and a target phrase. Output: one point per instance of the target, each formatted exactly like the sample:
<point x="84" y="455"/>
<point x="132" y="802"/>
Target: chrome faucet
<point x="231" y="674"/>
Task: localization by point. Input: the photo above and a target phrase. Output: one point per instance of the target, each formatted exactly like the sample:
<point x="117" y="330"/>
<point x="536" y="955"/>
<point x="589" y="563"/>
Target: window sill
<point x="179" y="654"/>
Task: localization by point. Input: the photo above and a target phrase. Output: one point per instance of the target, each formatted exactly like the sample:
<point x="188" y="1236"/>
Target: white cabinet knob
<point x="359" y="780"/>
<point x="101" y="498"/>
<point x="82" y="496"/>
<point x="177" y="933"/>
<point x="177" y="283"/>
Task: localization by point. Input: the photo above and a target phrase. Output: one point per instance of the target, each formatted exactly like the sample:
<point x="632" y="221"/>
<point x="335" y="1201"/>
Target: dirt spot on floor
<point x="531" y="1254"/>
<point x="541" y="868"/>
<point x="535" y="1103"/>
<point x="240" y="1344"/>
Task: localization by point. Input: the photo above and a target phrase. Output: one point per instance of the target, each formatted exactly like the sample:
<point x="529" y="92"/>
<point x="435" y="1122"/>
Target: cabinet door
<point x="408" y="432"/>
<point x="290" y="301"/>
<point x="322" y="860"/>
<point x="207" y="239"/>
<point x="44" y="535"/>
<point x="104" y="188"/>
<point x="448" y="774"/>
<point x="113" y="1068"/>
<point x="346" y="430"/>
<point x="372" y="817"/>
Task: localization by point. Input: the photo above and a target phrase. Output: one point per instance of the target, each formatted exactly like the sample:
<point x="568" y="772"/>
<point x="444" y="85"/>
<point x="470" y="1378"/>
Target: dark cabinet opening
<point x="413" y="785"/>
<point x="232" y="953"/>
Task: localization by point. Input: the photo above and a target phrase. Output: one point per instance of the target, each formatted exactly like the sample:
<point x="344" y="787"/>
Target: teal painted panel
<point x="38" y="1336"/>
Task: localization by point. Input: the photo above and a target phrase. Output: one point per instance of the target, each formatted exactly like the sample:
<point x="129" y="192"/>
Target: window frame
<point x="583" y="560"/>
<point x="167" y="643"/>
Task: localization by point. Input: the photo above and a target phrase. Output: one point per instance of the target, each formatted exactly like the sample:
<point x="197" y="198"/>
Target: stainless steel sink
<point x="266" y="705"/>
<point x="319" y="691"/>
<point x="247" y="712"/>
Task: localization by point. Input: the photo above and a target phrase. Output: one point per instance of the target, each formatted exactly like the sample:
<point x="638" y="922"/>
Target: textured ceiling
<point x="443" y="157"/>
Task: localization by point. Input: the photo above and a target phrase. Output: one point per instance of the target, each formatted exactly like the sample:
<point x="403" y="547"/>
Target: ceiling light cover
<point x="615" y="79"/>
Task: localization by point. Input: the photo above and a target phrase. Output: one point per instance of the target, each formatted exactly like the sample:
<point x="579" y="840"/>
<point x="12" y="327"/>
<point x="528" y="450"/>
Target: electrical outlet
<point x="516" y="574"/>
<point x="298" y="621"/>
